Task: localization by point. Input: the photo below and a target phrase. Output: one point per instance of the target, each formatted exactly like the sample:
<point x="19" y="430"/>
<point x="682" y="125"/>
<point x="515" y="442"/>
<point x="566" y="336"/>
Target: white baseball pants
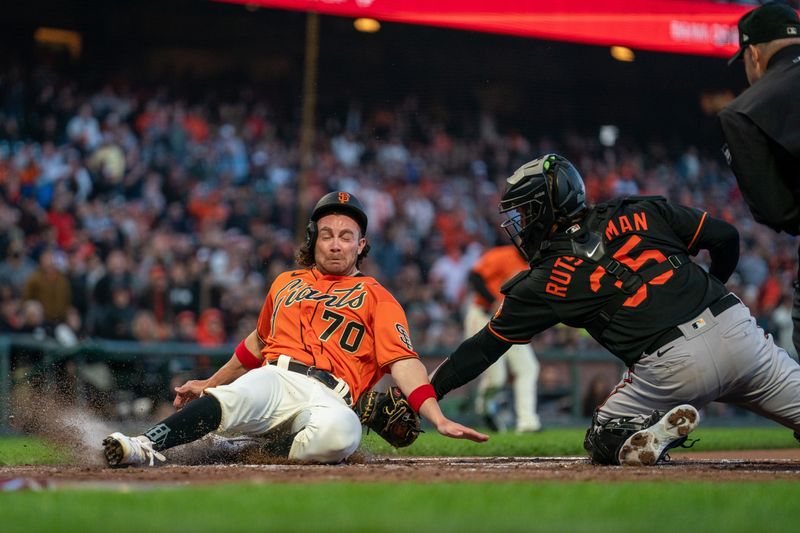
<point x="327" y="430"/>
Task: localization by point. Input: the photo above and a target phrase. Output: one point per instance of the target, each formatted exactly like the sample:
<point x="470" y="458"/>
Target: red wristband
<point x="246" y="357"/>
<point x="419" y="395"/>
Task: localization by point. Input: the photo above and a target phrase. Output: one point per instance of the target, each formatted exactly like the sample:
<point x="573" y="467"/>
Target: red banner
<point x="681" y="26"/>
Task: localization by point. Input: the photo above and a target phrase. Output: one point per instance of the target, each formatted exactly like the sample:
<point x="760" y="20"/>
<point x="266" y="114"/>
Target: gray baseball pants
<point x="725" y="358"/>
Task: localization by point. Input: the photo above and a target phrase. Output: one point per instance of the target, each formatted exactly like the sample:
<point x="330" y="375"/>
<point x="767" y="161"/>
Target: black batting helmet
<point x="341" y="202"/>
<point x="337" y="202"/>
<point x="541" y="195"/>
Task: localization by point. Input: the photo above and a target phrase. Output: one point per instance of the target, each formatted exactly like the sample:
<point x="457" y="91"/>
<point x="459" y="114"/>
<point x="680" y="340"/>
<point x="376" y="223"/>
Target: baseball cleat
<point x="120" y="450"/>
<point x="531" y="426"/>
<point x="648" y="446"/>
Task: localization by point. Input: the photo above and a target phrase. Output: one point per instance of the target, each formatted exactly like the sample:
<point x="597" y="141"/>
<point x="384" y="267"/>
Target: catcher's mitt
<point x="389" y="415"/>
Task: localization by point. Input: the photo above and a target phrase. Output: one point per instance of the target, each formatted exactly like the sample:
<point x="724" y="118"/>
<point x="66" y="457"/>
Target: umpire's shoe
<point x="129" y="451"/>
<point x="648" y="446"/>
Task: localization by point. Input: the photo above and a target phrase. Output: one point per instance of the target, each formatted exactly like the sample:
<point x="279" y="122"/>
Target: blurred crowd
<point x="153" y="214"/>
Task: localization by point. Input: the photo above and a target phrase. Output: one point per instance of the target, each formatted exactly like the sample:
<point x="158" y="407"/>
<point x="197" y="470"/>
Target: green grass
<point x="547" y="506"/>
<point x="593" y="507"/>
<point x="552" y="442"/>
<point x="29" y="450"/>
<point x="559" y="442"/>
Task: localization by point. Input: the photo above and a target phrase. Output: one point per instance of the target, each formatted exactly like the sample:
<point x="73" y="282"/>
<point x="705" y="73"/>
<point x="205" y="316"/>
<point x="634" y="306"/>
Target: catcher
<point x="325" y="336"/>
<point x="622" y="271"/>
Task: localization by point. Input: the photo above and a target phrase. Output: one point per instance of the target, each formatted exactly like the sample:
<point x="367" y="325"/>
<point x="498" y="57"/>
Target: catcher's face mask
<point x="529" y="212"/>
<point x="541" y="195"/>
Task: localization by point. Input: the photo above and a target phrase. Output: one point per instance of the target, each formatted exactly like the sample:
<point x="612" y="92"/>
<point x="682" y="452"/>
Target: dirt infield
<point x="208" y="462"/>
<point x="731" y="466"/>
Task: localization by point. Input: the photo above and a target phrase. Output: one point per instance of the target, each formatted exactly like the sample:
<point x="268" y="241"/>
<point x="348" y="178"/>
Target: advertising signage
<point x="679" y="26"/>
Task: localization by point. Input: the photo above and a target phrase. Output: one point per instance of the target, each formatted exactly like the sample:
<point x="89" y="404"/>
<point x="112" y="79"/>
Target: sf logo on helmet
<point x="344" y="197"/>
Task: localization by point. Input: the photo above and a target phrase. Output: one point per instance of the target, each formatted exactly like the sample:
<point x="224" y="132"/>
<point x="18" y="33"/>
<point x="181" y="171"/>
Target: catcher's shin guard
<point x="603" y="447"/>
<point x="604" y="441"/>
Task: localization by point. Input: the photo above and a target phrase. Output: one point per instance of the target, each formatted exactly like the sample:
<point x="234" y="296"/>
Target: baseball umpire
<point x="325" y="336"/>
<point x="622" y="271"/>
<point x="496" y="266"/>
<point x="762" y="126"/>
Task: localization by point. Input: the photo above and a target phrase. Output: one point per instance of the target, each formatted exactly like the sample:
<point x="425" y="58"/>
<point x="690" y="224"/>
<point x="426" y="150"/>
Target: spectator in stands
<point x="211" y="328"/>
<point x="149" y="191"/>
<point x="184" y="291"/>
<point x="50" y="287"/>
<point x="117" y="276"/>
<point x="16" y="268"/>
<point x="144" y="327"/>
<point x="154" y="296"/>
<point x="84" y="130"/>
<point x="33" y="320"/>
<point x="115" y="320"/>
<point x="185" y="327"/>
<point x="9" y="310"/>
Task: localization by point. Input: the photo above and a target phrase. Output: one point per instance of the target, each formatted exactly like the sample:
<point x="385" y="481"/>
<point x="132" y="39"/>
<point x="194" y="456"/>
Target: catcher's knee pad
<point x="603" y="441"/>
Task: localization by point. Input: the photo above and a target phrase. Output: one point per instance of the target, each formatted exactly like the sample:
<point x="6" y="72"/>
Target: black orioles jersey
<point x="639" y="234"/>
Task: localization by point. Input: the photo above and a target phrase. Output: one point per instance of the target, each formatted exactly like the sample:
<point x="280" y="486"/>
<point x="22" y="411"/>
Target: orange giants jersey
<point x="348" y="325"/>
<point x="496" y="266"/>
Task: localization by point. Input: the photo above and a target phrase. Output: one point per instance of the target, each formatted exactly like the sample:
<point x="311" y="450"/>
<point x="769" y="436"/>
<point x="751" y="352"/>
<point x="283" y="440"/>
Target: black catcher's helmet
<point x="338" y="202"/>
<point x="541" y="195"/>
